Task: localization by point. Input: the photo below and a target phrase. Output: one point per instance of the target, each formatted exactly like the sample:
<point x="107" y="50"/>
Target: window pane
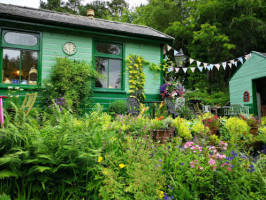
<point x="29" y="60"/>
<point x="20" y="38"/>
<point x="11" y="60"/>
<point x="115" y="73"/>
<point x="108" y="48"/>
<point x="102" y="68"/>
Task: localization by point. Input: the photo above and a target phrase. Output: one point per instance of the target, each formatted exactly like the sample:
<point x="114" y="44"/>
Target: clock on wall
<point x="69" y="48"/>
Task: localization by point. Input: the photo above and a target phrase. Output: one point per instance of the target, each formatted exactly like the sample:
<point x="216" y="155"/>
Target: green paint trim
<point x="108" y="91"/>
<point x="133" y="36"/>
<point x="1" y="57"/>
<point x="257" y="53"/>
<point x="39" y="67"/>
<point x="254" y="95"/>
<point x="123" y="72"/>
<point x="161" y="61"/>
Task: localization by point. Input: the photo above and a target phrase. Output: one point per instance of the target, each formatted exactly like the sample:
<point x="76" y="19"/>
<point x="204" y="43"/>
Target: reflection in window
<point x="21" y="38"/>
<point x="28" y="67"/>
<point x="11" y="62"/>
<point x="115" y="73"/>
<point x="102" y="68"/>
<point x="111" y="70"/>
<point x="108" y="48"/>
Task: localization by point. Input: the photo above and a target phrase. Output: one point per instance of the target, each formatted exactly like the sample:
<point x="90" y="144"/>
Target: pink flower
<point x="224" y="148"/>
<point x="194" y="151"/>
<point x="212" y="162"/>
<point x="229" y="169"/>
<point x="200" y="167"/>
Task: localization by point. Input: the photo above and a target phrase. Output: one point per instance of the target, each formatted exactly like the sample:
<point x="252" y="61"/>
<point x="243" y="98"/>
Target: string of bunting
<point x="202" y="65"/>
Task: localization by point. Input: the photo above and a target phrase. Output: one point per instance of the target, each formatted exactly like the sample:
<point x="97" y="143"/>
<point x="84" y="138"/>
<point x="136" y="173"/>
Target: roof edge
<point x="258" y="53"/>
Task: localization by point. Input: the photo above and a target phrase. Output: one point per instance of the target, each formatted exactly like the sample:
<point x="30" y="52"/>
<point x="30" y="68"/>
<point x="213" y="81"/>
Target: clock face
<point x="69" y="48"/>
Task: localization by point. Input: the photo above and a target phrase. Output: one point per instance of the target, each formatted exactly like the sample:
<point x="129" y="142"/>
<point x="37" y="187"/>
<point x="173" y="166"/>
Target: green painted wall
<point x="242" y="81"/>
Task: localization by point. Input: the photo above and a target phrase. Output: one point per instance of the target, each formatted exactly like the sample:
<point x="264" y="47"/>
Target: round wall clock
<point x="69" y="48"/>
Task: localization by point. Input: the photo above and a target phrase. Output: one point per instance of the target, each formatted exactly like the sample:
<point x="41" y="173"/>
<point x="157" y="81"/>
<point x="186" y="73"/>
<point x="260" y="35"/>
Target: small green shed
<point x="248" y="84"/>
<point x="32" y="38"/>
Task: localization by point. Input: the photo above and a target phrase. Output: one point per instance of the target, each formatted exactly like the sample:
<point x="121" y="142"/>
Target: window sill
<point x="109" y="91"/>
<point x="25" y="87"/>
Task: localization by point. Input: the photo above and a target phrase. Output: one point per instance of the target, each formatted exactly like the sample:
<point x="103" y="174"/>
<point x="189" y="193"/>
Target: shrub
<point x="71" y="80"/>
<point x="118" y="107"/>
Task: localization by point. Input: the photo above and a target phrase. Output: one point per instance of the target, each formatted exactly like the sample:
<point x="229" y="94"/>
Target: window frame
<point x="37" y="48"/>
<point x="120" y="56"/>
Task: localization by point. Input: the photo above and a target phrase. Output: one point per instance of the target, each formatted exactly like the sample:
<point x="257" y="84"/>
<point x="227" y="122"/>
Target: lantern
<point x="180" y="58"/>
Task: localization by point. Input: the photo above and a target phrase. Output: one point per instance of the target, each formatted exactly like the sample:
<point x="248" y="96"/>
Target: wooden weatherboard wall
<point x="242" y="80"/>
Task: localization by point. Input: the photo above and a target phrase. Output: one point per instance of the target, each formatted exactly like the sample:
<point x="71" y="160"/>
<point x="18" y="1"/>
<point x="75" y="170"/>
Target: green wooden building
<point x="248" y="84"/>
<point x="32" y="38"/>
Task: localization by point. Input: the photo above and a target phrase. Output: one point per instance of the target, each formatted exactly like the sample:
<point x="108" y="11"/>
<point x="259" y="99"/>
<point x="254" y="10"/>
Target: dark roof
<point x="52" y="17"/>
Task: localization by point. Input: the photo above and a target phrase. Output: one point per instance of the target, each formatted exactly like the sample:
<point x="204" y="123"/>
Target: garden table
<point x="1" y="110"/>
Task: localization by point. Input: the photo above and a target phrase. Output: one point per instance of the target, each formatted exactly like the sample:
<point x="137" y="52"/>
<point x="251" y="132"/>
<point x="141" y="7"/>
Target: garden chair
<point x="244" y="110"/>
<point x="206" y="108"/>
<point x="133" y="106"/>
<point x="171" y="107"/>
<point x="28" y="103"/>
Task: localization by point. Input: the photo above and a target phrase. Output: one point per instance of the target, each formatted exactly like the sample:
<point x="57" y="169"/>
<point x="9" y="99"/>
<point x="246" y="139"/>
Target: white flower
<point x="17" y="96"/>
<point x="9" y="87"/>
<point x="17" y="88"/>
<point x="21" y="89"/>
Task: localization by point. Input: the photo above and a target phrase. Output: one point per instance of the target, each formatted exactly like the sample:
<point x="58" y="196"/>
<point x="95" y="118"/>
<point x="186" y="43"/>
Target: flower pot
<point x="253" y="130"/>
<point x="162" y="135"/>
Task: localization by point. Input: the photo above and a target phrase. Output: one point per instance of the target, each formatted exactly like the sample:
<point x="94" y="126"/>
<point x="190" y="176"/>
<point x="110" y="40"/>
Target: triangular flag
<point x="230" y="65"/>
<point x="192" y="69"/>
<point x="217" y="66"/>
<point x="191" y="60"/>
<point x="224" y="65"/>
<point x="198" y="63"/>
<point x="240" y="59"/>
<point x="168" y="48"/>
<point x="235" y="63"/>
<point x="247" y="56"/>
<point x="232" y="61"/>
<point x="200" y="68"/>
<point x="177" y="69"/>
<point x="209" y="67"/>
<point x="205" y="65"/>
<point x="184" y="69"/>
<point x="175" y="52"/>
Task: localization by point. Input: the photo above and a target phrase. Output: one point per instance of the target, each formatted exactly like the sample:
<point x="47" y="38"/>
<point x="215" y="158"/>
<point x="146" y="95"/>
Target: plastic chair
<point x="28" y="102"/>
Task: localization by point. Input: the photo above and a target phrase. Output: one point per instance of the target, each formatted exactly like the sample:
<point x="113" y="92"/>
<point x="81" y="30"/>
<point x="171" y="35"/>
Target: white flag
<point x="191" y="60"/>
<point x="184" y="69"/>
<point x="230" y="65"/>
<point x="200" y="68"/>
<point x="232" y="61"/>
<point x="241" y="60"/>
<point x="224" y="65"/>
<point x="205" y="65"/>
<point x="168" y="48"/>
<point x="235" y="63"/>
<point x="217" y="66"/>
<point x="177" y="69"/>
<point x="193" y="69"/>
<point x="198" y="63"/>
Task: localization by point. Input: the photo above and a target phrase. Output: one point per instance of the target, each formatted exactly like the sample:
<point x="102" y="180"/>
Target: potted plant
<point x="212" y="123"/>
<point x="161" y="128"/>
<point x="252" y="122"/>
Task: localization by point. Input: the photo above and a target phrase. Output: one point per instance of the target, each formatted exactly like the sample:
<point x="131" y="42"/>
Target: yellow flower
<point x="122" y="166"/>
<point x="100" y="159"/>
<point x="105" y="171"/>
<point x="161" y="194"/>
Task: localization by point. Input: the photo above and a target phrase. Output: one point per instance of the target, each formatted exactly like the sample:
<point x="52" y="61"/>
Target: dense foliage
<point x="118" y="107"/>
<point x="70" y="83"/>
<point x="56" y="155"/>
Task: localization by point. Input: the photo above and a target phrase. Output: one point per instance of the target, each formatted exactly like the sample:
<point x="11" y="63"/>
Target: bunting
<point x="235" y="63"/>
<point x="224" y="65"/>
<point x="168" y="48"/>
<point x="217" y="66"/>
<point x="198" y="63"/>
<point x="240" y="59"/>
<point x="230" y="65"/>
<point x="184" y="69"/>
<point x="175" y="52"/>
<point x="205" y="65"/>
<point x="191" y="60"/>
<point x="200" y="68"/>
<point x="177" y="69"/>
<point x="192" y="69"/>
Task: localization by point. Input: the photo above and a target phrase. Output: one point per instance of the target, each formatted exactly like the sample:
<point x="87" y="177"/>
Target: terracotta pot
<point x="253" y="130"/>
<point x="162" y="135"/>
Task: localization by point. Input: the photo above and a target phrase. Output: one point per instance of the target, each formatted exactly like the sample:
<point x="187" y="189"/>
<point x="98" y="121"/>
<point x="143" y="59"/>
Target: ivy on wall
<point x="137" y="77"/>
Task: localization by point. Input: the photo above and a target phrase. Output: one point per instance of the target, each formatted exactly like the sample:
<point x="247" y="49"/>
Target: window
<point x="108" y="62"/>
<point x="20" y="55"/>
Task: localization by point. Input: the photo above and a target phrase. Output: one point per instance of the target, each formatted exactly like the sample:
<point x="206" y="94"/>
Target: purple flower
<point x="175" y="159"/>
<point x="182" y="164"/>
<point x="163" y="87"/>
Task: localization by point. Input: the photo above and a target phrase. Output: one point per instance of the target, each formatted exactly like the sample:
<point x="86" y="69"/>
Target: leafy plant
<point x="118" y="107"/>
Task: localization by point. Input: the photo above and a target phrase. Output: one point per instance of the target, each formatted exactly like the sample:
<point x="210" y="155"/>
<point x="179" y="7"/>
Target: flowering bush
<point x="251" y="120"/>
<point x="212" y="122"/>
<point x="172" y="90"/>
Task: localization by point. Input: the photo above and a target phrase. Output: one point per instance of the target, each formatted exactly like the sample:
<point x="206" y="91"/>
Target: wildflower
<point x="163" y="170"/>
<point x="122" y="166"/>
<point x="175" y="159"/>
<point x="100" y="159"/>
<point x="182" y="164"/>
<point x="229" y="169"/>
<point x="200" y="167"/>
<point x="161" y="194"/>
<point x="105" y="171"/>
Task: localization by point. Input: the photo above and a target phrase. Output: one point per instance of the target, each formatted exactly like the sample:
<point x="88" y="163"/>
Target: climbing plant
<point x="134" y="65"/>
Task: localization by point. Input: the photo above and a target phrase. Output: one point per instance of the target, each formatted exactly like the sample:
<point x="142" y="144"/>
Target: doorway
<point x="261" y="96"/>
